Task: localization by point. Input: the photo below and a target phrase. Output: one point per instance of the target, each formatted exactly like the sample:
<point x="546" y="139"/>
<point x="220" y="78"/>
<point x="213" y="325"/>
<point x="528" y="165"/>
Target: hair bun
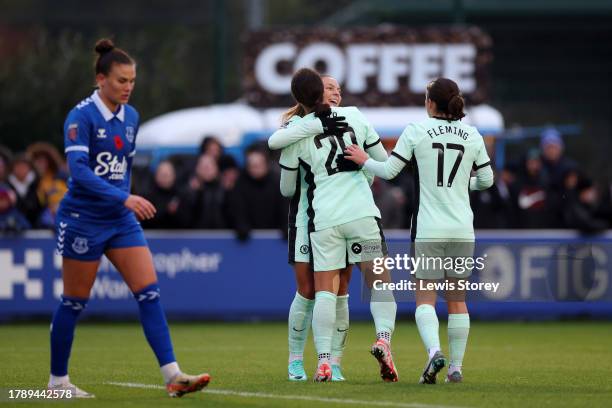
<point x="455" y="106"/>
<point x="104" y="45"/>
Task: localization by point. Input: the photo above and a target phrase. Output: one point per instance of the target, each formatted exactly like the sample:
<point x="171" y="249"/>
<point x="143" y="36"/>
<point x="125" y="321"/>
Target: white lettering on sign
<point x="357" y="64"/>
<point x="393" y="65"/>
<point x="329" y="53"/>
<point x="266" y="70"/>
<point x="362" y="62"/>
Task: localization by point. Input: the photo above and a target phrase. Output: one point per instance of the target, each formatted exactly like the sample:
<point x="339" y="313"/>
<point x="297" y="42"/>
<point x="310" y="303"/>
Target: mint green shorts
<point x="299" y="245"/>
<point x="357" y="241"/>
<point x="448" y="258"/>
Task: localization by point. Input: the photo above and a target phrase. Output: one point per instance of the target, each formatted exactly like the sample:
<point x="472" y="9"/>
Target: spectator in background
<point x="497" y="207"/>
<point x="185" y="165"/>
<point x="229" y="176"/>
<point x="391" y="201"/>
<point x="52" y="180"/>
<point x="24" y="182"/>
<point x="533" y="194"/>
<point x="392" y="197"/>
<point x="507" y="186"/>
<point x="164" y="196"/>
<point x="255" y="202"/>
<point x="555" y="164"/>
<point x="11" y="220"/>
<point x="201" y="203"/>
<point x="5" y="160"/>
<point x="584" y="209"/>
<point x="229" y="172"/>
<point x="212" y="147"/>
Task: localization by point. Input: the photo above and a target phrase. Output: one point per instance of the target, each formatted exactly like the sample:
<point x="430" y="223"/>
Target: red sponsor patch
<point x="118" y="142"/>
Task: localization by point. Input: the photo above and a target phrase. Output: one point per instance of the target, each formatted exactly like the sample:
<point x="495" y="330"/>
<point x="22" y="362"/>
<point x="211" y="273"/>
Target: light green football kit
<point x="291" y="132"/>
<point x="342" y="220"/>
<point x="335" y="197"/>
<point x="443" y="154"/>
<point x="299" y="242"/>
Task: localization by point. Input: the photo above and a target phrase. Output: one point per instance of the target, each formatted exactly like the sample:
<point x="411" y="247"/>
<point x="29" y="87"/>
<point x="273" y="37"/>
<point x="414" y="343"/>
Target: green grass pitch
<point x="507" y="365"/>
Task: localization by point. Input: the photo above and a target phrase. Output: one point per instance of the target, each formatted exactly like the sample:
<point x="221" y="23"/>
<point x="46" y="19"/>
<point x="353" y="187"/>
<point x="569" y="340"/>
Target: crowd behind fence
<point x="542" y="188"/>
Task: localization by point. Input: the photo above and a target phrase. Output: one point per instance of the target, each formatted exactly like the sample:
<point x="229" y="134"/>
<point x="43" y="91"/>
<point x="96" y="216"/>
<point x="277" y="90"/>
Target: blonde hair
<point x="296" y="110"/>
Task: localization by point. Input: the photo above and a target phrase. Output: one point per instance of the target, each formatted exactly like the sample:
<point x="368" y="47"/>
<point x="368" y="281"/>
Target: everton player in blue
<point x="99" y="216"/>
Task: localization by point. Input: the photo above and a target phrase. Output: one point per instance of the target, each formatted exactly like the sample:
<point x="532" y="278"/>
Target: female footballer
<point x="343" y="221"/>
<point x="443" y="151"/>
<point x="98" y="216"/>
<point x="300" y="312"/>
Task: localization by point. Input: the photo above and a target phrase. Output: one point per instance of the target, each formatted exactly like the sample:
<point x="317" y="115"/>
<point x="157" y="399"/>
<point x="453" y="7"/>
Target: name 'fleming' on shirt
<point x="447" y="129"/>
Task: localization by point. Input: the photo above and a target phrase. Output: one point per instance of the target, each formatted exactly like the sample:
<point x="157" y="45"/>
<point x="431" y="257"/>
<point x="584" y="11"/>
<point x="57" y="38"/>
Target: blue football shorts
<point x="87" y="240"/>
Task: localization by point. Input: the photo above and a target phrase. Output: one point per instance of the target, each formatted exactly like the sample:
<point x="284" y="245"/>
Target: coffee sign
<point x="383" y="66"/>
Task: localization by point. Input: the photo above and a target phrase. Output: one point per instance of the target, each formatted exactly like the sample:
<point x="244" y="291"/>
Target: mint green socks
<point x="341" y="329"/>
<point x="458" y="330"/>
<point x="300" y="318"/>
<point x="427" y="323"/>
<point x="323" y="323"/>
<point x="383" y="309"/>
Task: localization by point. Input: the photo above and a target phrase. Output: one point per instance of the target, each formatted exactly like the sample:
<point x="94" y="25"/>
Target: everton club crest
<point x="129" y="134"/>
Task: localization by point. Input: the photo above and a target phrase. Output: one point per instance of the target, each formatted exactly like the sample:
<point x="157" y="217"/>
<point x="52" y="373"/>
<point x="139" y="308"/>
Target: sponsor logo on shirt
<point x="101" y="134"/>
<point x="109" y="164"/>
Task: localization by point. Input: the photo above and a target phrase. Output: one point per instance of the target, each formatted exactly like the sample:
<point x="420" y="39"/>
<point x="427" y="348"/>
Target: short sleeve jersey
<point x="334" y="197"/>
<point x="444" y="154"/>
<point x="109" y="138"/>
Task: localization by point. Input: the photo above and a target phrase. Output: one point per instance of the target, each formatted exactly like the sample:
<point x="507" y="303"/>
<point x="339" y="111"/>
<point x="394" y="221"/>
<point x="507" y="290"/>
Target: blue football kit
<point x="99" y="146"/>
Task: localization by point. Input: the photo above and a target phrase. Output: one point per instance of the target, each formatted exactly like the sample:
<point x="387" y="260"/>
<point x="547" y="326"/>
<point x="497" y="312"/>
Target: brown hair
<point x="445" y="93"/>
<point x="49" y="151"/>
<point x="297" y="109"/>
<point x="307" y="89"/>
<point x="108" y="55"/>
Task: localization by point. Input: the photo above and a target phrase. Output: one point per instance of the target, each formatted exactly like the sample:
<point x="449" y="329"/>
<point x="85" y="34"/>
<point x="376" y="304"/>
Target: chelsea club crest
<point x="129" y="134"/>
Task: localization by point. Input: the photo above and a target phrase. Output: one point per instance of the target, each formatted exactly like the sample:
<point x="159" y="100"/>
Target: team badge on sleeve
<point x="129" y="134"/>
<point x="73" y="131"/>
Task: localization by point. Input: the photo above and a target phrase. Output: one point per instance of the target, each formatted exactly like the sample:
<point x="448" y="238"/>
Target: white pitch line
<point x="246" y="394"/>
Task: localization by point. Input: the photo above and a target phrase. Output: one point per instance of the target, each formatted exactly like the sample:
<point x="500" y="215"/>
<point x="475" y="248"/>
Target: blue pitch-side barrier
<point x="211" y="275"/>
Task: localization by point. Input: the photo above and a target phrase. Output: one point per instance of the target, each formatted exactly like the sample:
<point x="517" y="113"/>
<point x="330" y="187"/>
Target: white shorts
<point x="357" y="241"/>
